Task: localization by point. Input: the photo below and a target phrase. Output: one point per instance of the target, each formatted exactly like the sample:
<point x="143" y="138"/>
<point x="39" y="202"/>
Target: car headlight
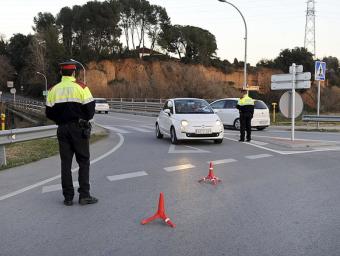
<point x="184" y="123"/>
<point x="218" y="123"/>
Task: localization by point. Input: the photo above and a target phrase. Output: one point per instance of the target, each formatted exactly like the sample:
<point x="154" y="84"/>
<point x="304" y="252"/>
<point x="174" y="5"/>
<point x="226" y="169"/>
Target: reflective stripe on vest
<point x="68" y="91"/>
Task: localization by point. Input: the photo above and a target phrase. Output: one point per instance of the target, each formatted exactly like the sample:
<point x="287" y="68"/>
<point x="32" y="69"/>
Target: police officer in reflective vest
<point x="70" y="105"/>
<point x="246" y="107"/>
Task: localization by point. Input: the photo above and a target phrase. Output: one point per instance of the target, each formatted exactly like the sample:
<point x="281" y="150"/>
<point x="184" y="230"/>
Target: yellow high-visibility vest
<point x="68" y="91"/>
<point x="246" y="100"/>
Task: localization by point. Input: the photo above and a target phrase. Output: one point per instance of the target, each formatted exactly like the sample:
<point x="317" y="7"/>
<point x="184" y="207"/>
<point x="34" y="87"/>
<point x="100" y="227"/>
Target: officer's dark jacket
<point x="69" y="101"/>
<point x="246" y="106"/>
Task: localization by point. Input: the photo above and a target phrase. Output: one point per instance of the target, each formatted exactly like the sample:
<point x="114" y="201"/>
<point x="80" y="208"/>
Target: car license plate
<point x="263" y="122"/>
<point x="203" y="131"/>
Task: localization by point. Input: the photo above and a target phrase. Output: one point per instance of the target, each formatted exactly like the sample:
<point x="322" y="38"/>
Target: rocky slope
<point x="135" y="78"/>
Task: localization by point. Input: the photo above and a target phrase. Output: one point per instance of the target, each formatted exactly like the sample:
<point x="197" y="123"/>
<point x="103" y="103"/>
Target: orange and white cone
<point x="211" y="176"/>
<point x="160" y="214"/>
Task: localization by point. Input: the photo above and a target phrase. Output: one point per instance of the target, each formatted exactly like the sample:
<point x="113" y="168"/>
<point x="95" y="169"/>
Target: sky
<point x="272" y="25"/>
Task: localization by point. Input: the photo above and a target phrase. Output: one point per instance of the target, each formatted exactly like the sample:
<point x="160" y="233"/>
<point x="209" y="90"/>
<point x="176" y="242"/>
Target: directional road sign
<point x="298" y="69"/>
<point x="320" y="71"/>
<point x="284" y="81"/>
<point x="10" y="84"/>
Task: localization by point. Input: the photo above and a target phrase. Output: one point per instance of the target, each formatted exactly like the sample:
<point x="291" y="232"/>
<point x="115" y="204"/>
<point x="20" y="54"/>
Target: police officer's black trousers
<point x="245" y="123"/>
<point x="72" y="142"/>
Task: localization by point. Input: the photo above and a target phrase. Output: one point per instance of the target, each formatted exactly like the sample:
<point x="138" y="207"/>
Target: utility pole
<point x="309" y="43"/>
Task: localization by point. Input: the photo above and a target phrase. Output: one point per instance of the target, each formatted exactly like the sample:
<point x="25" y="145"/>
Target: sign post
<point x="320" y="75"/>
<point x="296" y="79"/>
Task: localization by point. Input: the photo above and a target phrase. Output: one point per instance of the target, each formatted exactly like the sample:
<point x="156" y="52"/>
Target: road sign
<point x="298" y="69"/>
<point x="10" y="84"/>
<point x="289" y="77"/>
<point x="253" y="88"/>
<point x="13" y="90"/>
<point x="320" y="71"/>
<point x="286" y="104"/>
<point x="288" y="85"/>
<point x="284" y="81"/>
<point x="45" y="93"/>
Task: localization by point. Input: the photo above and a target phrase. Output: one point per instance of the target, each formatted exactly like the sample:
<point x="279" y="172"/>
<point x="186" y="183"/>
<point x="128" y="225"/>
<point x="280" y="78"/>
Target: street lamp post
<point x="82" y="67"/>
<point x="45" y="83"/>
<point x="245" y="43"/>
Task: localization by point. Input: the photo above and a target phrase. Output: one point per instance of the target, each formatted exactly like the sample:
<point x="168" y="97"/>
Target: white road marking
<point x="173" y="150"/>
<point x="43" y="182"/>
<point x="179" y="167"/>
<point x="223" y="161"/>
<point x="136" y="128"/>
<point x="258" y="156"/>
<point x="259" y="143"/>
<point x="127" y="176"/>
<point x="57" y="187"/>
<point x="288" y="152"/>
<point x="115" y="129"/>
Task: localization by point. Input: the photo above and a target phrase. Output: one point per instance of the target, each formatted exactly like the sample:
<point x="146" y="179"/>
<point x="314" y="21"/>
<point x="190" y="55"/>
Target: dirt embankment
<point x="134" y="78"/>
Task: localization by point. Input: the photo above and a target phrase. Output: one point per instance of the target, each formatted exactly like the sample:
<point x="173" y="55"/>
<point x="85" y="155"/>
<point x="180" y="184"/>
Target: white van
<point x="230" y="116"/>
<point x="101" y="105"/>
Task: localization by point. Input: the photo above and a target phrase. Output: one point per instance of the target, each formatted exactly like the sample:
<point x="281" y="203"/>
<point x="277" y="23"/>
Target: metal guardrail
<point x="320" y="118"/>
<point x="29" y="105"/>
<point x="133" y="106"/>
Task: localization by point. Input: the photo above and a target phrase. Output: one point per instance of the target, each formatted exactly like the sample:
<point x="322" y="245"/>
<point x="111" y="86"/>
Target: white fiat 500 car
<point x="101" y="105"/>
<point x="230" y="116"/>
<point x="189" y="119"/>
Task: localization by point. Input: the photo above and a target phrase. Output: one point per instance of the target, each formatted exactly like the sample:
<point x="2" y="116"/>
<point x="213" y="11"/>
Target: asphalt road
<point x="276" y="197"/>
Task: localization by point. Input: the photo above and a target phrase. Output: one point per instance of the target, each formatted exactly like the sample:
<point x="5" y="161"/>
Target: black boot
<point x="88" y="200"/>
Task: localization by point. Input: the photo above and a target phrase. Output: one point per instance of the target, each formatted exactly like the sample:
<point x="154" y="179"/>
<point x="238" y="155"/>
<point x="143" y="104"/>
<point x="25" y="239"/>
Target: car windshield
<point x="100" y="101"/>
<point x="260" y="105"/>
<point x="192" y="106"/>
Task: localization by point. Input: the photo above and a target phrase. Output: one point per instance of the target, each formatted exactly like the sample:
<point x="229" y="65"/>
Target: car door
<point x="219" y="107"/>
<point x="165" y="118"/>
<point x="231" y="113"/>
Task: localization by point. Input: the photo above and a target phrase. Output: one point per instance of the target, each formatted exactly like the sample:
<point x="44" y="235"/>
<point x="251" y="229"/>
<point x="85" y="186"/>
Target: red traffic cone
<point x="160" y="214"/>
<point x="211" y="176"/>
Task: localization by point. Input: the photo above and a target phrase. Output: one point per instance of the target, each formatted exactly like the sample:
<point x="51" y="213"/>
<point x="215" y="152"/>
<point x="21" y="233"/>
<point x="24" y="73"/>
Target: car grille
<point x="195" y="135"/>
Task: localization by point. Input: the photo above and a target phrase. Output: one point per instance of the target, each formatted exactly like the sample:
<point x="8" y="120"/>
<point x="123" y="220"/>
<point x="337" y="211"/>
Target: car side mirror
<point x="167" y="111"/>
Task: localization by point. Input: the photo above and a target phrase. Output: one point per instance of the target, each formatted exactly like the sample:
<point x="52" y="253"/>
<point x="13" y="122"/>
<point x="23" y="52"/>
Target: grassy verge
<point x="26" y="152"/>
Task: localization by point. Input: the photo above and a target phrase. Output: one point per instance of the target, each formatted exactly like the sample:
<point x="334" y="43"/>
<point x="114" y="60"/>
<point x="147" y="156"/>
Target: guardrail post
<point x="121" y="104"/>
<point x="2" y="155"/>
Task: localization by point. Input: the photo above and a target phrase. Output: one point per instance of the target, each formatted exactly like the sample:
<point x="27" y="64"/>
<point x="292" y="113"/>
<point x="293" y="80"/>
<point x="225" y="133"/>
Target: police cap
<point x="68" y="65"/>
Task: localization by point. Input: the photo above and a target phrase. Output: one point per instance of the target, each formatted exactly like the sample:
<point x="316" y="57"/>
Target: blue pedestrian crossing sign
<point x="320" y="71"/>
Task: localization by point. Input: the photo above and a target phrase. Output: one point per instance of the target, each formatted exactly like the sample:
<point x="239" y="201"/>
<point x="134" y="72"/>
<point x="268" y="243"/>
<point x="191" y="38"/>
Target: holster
<point x="85" y="128"/>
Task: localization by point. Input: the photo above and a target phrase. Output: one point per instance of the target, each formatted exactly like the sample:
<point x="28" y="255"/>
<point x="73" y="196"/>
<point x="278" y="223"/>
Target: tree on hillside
<point x="170" y="39"/>
<point x="7" y="71"/>
<point x="64" y="22"/>
<point x="332" y="71"/>
<point x="3" y="46"/>
<point x="157" y="21"/>
<point x="18" y="50"/>
<point x="197" y="45"/>
<point x="96" y="30"/>
<point x="298" y="55"/>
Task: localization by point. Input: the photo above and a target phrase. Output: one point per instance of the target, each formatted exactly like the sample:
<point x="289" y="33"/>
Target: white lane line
<point x="259" y="143"/>
<point x="223" y="161"/>
<point x="173" y="150"/>
<point x="115" y="129"/>
<point x="179" y="167"/>
<point x="288" y="152"/>
<point x="136" y="128"/>
<point x="127" y="176"/>
<point x="43" y="182"/>
<point x="258" y="156"/>
<point x="57" y="187"/>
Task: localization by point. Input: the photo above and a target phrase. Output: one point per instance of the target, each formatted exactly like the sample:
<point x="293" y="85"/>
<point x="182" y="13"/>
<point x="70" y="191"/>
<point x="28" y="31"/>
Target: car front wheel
<point x="173" y="136"/>
<point x="159" y="135"/>
<point x="237" y="124"/>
